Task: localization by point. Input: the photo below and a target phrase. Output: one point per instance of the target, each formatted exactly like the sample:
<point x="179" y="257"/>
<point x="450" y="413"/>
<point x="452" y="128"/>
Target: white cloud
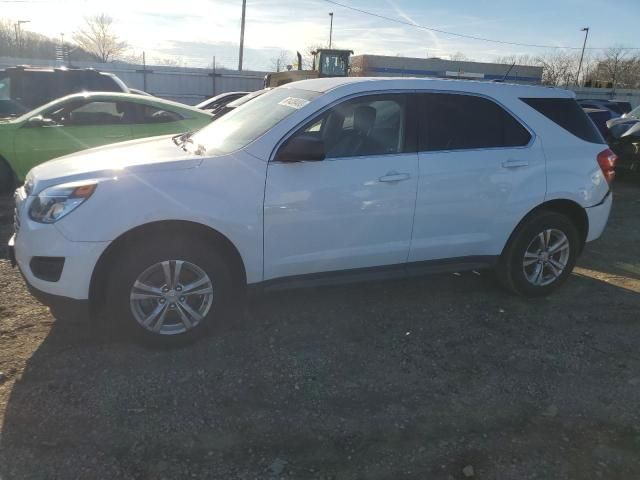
<point x="196" y="30"/>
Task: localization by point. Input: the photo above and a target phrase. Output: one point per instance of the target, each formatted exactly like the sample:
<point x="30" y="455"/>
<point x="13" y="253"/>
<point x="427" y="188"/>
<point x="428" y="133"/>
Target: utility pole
<point x="144" y="71"/>
<point x="586" y="34"/>
<point x="18" y="26"/>
<point x="330" y="28"/>
<point x="244" y="8"/>
<point x="213" y="77"/>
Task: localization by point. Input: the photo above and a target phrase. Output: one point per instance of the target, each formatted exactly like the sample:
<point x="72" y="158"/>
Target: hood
<point x="5" y="120"/>
<point x="120" y="159"/>
<point x="633" y="132"/>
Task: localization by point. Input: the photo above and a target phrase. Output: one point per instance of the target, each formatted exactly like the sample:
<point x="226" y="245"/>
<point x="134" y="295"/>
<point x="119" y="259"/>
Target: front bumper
<point x="61" y="307"/>
<point x="33" y="239"/>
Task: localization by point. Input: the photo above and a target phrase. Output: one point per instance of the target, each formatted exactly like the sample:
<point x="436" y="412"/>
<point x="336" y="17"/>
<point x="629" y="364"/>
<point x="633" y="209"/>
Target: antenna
<point x="508" y="71"/>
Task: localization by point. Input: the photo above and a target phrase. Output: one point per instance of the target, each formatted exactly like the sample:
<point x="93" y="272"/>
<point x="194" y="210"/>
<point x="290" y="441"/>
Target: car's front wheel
<point x="169" y="291"/>
<point x="540" y="254"/>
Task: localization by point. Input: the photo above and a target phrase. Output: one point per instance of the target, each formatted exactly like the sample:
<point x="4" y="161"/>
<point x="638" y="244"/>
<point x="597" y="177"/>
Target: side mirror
<point x="39" y="121"/>
<point x="302" y="148"/>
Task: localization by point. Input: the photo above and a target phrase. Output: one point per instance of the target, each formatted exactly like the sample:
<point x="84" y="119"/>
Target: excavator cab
<point x="326" y="63"/>
<point x="331" y="62"/>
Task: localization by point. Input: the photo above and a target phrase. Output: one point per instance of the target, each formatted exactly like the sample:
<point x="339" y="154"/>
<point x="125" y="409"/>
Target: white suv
<point x="318" y="181"/>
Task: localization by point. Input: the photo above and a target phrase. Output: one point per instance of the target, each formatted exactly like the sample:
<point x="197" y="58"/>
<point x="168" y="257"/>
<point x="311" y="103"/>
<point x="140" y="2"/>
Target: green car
<point x="85" y="120"/>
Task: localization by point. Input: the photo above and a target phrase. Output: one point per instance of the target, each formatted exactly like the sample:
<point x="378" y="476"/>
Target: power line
<point x="462" y="35"/>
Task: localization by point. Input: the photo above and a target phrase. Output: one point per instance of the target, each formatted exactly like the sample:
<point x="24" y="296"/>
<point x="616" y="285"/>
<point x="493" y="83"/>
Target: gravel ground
<point x="445" y="377"/>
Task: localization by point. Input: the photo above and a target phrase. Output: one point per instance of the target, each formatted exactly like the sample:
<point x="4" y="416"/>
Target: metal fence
<point x="192" y="85"/>
<point x="186" y="85"/>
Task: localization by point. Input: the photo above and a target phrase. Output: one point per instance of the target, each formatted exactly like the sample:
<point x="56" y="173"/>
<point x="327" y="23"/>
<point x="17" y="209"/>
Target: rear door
<point x="481" y="170"/>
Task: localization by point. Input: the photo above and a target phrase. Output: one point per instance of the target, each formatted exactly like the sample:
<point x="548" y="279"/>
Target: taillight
<point x="607" y="161"/>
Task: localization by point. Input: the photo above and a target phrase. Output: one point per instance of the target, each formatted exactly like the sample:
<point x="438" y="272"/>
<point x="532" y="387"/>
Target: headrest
<point x="364" y="117"/>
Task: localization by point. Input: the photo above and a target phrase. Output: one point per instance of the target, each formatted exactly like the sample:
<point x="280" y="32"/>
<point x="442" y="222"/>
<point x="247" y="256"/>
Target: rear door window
<point x="149" y="114"/>
<point x="95" y="113"/>
<point x="566" y="113"/>
<point x="5" y="86"/>
<point x="462" y="122"/>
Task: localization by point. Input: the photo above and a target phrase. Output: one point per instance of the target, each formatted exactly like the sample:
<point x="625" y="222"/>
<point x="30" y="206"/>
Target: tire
<point x="541" y="275"/>
<point x="145" y="262"/>
<point x="7" y="178"/>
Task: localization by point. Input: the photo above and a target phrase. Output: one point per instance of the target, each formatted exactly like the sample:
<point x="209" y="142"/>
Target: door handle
<point x="114" y="136"/>
<point x="394" y="177"/>
<point x="515" y="163"/>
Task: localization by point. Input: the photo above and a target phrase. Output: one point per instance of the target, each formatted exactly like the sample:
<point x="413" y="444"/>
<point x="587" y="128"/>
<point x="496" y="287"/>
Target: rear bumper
<point x="598" y="216"/>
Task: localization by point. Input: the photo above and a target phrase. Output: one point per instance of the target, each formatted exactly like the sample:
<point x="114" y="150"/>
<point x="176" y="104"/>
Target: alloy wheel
<point x="546" y="257"/>
<point x="171" y="297"/>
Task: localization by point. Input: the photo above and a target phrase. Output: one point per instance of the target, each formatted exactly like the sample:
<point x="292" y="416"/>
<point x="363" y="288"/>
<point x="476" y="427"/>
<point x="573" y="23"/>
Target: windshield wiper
<point x="184" y="138"/>
<point x="181" y="139"/>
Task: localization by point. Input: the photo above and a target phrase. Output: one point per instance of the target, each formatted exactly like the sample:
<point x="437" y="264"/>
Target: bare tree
<point x="169" y="61"/>
<point x="517" y="60"/>
<point x="618" y="68"/>
<point x="98" y="38"/>
<point x="459" y="57"/>
<point x="7" y="37"/>
<point x="559" y="68"/>
<point x="280" y="62"/>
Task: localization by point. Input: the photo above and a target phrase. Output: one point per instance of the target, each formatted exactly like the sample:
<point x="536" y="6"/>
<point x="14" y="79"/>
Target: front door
<point x="354" y="209"/>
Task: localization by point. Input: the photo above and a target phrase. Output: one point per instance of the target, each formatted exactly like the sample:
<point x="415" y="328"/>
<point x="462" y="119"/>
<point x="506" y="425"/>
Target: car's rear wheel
<point x="540" y="254"/>
<point x="169" y="292"/>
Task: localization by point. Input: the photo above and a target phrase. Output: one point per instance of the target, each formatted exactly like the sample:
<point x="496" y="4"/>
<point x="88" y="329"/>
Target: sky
<point x="192" y="32"/>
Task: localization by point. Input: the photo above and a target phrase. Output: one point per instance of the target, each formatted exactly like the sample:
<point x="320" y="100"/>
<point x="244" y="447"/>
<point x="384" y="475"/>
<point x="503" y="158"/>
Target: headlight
<point x="55" y="202"/>
<point x="28" y="184"/>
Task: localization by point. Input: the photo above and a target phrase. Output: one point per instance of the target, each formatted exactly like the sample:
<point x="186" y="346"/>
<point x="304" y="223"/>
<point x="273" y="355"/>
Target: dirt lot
<point x="445" y="377"/>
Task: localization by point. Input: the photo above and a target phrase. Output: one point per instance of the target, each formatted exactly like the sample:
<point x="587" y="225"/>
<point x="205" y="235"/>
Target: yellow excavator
<point x="326" y="63"/>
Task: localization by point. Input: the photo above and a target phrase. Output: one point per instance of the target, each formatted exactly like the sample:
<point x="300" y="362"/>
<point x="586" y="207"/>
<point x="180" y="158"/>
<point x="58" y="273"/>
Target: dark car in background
<point x="226" y="108"/>
<point x="624" y="139"/>
<point x="599" y="117"/>
<point x="25" y="88"/>
<point x="624" y="106"/>
<point x="214" y="104"/>
<point x="615" y="109"/>
<point x="622" y="132"/>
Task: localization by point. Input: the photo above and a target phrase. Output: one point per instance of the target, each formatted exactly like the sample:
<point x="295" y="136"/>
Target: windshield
<point x="43" y="110"/>
<point x="7" y="106"/>
<point x="244" y="124"/>
<point x="242" y="100"/>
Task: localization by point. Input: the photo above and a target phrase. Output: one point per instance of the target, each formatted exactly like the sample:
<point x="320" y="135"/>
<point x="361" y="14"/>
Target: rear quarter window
<point x="567" y="114"/>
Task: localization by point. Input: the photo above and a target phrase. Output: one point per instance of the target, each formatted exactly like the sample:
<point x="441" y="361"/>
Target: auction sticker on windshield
<point x="293" y="102"/>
